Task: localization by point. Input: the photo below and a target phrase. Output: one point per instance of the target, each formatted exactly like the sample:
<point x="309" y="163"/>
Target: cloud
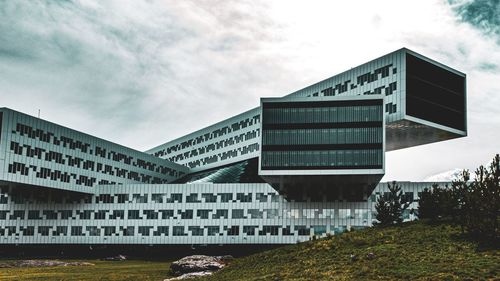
<point x="129" y="66"/>
<point x="483" y="14"/>
<point x="142" y="73"/>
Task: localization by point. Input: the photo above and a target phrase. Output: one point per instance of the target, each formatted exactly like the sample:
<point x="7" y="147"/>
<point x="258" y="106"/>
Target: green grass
<point x="135" y="270"/>
<point x="412" y="251"/>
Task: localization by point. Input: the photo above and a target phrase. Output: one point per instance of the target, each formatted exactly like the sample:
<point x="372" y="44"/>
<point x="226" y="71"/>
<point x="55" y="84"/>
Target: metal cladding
<point x="40" y="153"/>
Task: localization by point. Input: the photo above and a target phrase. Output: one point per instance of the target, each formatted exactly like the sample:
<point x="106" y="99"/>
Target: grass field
<point x="413" y="251"/>
<point x="133" y="270"/>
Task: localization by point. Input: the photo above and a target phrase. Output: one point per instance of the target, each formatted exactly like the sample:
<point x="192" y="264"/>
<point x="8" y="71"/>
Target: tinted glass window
<point x="434" y="94"/>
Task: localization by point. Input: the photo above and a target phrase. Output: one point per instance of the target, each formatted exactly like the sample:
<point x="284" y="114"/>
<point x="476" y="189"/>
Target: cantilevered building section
<point x="424" y="102"/>
<point x="304" y="165"/>
<point x="332" y="146"/>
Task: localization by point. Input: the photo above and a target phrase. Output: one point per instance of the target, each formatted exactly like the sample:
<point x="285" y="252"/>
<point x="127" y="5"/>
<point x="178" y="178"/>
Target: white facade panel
<point x="174" y="214"/>
<point x="40" y="153"/>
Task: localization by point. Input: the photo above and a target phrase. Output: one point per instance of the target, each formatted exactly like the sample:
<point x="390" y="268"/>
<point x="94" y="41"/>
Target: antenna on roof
<point x="38" y="113"/>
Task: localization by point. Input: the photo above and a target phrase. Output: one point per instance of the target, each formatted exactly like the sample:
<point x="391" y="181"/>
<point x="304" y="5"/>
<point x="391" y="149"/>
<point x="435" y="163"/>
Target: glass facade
<point x="434" y="94"/>
<point x="344" y="134"/>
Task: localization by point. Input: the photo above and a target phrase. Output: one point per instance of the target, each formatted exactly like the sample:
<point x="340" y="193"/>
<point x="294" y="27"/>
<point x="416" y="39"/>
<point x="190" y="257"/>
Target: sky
<point x="141" y="73"/>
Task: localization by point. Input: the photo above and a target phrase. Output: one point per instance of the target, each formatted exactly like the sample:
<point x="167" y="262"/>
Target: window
<point x="261" y="197"/>
<point x="238" y="214"/>
<point x="105" y="198"/>
<point x="144" y="230"/>
<point x="178" y="231"/>
<point x="157" y="197"/>
<point x="138" y="198"/>
<point x="161" y="230"/>
<point x="302" y="230"/>
<point x="44" y="230"/>
<point x="195" y="230"/>
<point x="244" y="197"/>
<point x="209" y="197"/>
<point x="100" y="215"/>
<point x="286" y="230"/>
<point x="249" y="230"/>
<point x="175" y="197"/>
<point x="76" y="231"/>
<point x="84" y="215"/>
<point x="187" y="215"/>
<point x="269" y="229"/>
<point x="212" y="230"/>
<point x="319" y="229"/>
<point x="117" y="214"/>
<point x="192" y="198"/>
<point x="34" y="215"/>
<point x="28" y="231"/>
<point x="220" y="214"/>
<point x="122" y="198"/>
<point x="19" y="214"/>
<point x="133" y="214"/>
<point x="109" y="230"/>
<point x="93" y="231"/>
<point x="226" y="197"/>
<point x="344" y="213"/>
<point x="128" y="231"/>
<point x="166" y="214"/>
<point x="203" y="214"/>
<point x="233" y="231"/>
<point x="66" y="214"/>
<point x="255" y="214"/>
<point x="150" y="214"/>
<point x="272" y="213"/>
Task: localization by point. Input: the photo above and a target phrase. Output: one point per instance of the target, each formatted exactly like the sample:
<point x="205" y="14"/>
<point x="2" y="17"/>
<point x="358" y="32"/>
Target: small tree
<point x="460" y="187"/>
<point x="481" y="203"/>
<point x="390" y="206"/>
<point x="428" y="204"/>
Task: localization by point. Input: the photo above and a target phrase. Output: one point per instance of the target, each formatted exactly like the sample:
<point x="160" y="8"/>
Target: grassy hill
<point x="413" y="251"/>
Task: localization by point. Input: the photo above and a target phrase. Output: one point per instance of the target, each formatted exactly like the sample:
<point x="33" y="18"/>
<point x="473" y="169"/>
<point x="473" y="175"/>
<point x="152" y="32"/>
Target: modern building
<point x="309" y="163"/>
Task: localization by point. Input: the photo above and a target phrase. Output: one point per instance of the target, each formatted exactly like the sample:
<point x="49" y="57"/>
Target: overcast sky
<point x="141" y="73"/>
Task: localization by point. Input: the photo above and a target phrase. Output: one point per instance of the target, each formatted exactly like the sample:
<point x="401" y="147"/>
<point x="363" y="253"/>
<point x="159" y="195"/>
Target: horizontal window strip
<point x="368" y="124"/>
<point x="350" y="167"/>
<point x="308" y="104"/>
<point x="309" y="147"/>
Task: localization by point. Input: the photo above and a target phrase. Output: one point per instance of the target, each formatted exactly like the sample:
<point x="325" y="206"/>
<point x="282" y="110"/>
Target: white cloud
<point x="141" y="73"/>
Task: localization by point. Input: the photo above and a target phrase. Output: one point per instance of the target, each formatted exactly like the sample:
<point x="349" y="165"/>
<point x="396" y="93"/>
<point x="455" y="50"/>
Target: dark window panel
<point x="434" y="94"/>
